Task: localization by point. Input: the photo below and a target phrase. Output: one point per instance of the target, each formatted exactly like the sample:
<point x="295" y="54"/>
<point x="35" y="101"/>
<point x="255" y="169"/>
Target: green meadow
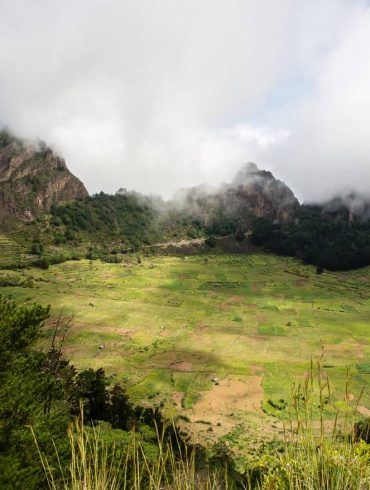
<point x="175" y="330"/>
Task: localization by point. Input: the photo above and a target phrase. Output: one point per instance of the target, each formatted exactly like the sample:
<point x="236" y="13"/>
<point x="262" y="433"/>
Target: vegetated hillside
<point x="121" y="217"/>
<point x="334" y="235"/>
<point x="32" y="178"/>
<point x="195" y="212"/>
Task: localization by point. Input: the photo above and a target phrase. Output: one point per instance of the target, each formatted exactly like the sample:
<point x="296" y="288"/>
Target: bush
<point x="42" y="263"/>
<point x="210" y="242"/>
<point x="37" y="248"/>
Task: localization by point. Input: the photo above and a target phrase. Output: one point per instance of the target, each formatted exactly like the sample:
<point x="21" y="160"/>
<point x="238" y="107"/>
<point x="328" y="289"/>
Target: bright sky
<point x="157" y="95"/>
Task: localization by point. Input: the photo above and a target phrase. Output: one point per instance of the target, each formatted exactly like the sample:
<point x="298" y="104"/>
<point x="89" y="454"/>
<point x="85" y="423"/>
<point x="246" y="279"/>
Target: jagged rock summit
<point x="258" y="192"/>
<point x="32" y="178"/>
<point x="252" y="193"/>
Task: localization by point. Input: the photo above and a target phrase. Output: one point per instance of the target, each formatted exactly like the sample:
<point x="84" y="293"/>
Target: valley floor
<point x="217" y="339"/>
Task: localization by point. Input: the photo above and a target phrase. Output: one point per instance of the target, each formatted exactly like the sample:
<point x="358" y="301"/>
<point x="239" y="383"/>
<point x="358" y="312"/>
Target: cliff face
<point x="252" y="193"/>
<point x="32" y="178"/>
<point x="259" y="193"/>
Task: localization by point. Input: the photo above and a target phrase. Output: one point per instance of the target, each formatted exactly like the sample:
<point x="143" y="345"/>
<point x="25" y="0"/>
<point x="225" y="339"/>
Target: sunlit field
<point x="216" y="339"/>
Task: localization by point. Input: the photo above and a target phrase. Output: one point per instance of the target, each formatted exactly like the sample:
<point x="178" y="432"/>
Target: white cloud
<point x="165" y="94"/>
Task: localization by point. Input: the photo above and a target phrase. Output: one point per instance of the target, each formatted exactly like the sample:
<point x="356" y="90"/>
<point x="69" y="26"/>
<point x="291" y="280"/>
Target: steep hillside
<point x="32" y="178"/>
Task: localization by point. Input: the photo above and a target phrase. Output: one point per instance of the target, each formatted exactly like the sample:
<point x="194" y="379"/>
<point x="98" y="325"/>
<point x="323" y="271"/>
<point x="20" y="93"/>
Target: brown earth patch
<point x="183" y="366"/>
<point x="234" y="299"/>
<point x="230" y="301"/>
<point x="256" y="338"/>
<point x="347" y="348"/>
<point x="177" y="360"/>
<point x="251" y="305"/>
<point x="301" y="282"/>
<point x="334" y="347"/>
<point x="218" y="406"/>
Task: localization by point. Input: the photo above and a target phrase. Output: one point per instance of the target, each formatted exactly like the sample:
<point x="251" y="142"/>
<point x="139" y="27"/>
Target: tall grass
<point x="95" y="465"/>
<point x="320" y="453"/>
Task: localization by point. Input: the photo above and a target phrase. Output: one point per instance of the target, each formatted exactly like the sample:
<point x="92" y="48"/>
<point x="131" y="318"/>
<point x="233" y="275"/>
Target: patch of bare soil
<point x="216" y="410"/>
<point x="301" y="282"/>
<point x="230" y="302"/>
<point x="347" y="348"/>
<point x="231" y="395"/>
<point x="183" y="366"/>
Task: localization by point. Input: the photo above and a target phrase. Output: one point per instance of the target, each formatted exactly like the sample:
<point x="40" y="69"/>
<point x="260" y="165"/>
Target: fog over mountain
<point x="154" y="96"/>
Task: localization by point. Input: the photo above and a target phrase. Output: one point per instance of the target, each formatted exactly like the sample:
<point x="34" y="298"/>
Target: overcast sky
<point x="154" y="95"/>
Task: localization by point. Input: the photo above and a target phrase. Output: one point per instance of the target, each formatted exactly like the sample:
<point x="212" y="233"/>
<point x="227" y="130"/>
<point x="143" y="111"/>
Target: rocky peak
<point x="252" y="193"/>
<point x="32" y="178"/>
<point x="258" y="193"/>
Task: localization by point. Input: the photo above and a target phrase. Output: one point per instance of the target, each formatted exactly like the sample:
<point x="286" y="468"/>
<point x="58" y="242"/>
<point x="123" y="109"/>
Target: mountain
<point x="32" y="178"/>
<point x="253" y="193"/>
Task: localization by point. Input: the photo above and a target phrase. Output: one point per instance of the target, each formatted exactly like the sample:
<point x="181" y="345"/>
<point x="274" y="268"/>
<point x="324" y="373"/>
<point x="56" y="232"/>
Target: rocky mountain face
<point x="252" y="193"/>
<point x="349" y="207"/>
<point x="32" y="178"/>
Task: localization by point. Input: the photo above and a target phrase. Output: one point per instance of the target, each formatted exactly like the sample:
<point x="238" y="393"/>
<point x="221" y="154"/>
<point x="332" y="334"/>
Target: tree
<point x="91" y="389"/>
<point x="20" y="327"/>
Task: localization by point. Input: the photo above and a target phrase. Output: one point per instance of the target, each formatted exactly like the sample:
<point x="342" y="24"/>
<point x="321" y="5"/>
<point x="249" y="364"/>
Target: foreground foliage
<point x="42" y="390"/>
<point x="318" y="456"/>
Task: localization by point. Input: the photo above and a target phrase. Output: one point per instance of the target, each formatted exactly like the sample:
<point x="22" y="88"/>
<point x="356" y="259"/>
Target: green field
<point x="216" y="338"/>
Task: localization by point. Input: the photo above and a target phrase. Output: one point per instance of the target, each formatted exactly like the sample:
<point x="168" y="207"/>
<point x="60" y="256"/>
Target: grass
<point x="270" y="330"/>
<point x="12" y="254"/>
<point x="218" y="317"/>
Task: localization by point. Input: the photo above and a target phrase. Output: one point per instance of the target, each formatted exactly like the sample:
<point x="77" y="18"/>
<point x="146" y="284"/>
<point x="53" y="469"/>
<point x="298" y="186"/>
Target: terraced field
<point x="11" y="253"/>
<point x="218" y="339"/>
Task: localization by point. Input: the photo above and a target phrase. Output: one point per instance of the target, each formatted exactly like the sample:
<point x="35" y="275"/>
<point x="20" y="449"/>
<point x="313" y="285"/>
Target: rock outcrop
<point x="32" y="178"/>
<point x="252" y="193"/>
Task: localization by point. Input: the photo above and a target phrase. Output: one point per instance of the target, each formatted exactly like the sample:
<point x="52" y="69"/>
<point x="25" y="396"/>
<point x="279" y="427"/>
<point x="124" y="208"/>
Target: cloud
<point x="160" y="95"/>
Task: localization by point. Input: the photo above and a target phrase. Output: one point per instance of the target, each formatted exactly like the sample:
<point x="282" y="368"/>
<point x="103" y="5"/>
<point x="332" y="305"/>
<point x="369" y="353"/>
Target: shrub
<point x="42" y="263"/>
<point x="210" y="242"/>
